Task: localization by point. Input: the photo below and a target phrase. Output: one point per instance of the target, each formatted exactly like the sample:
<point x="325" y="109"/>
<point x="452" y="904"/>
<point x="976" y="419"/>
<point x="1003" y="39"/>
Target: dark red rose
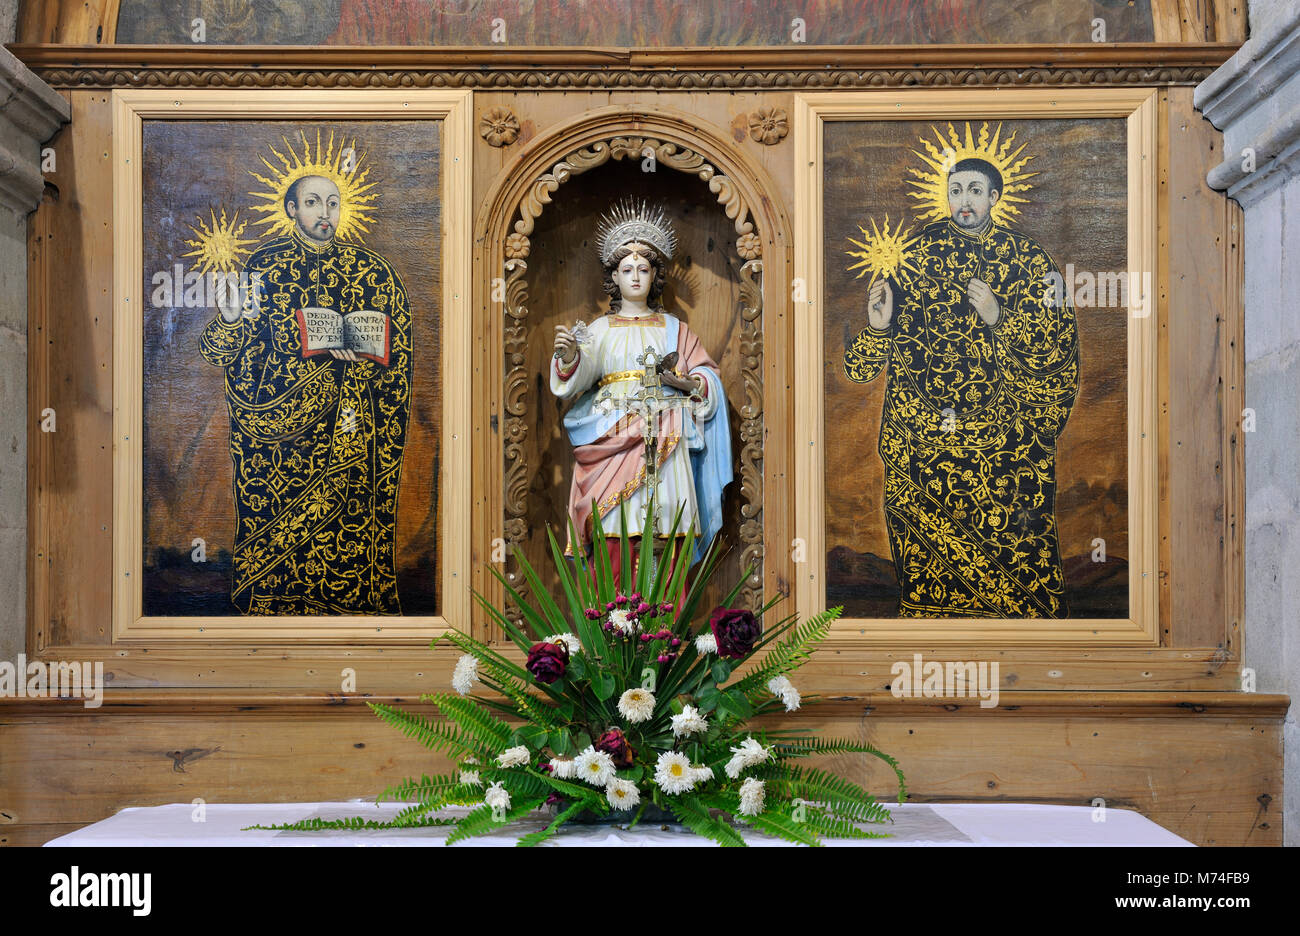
<point x="547" y="661"/>
<point x="615" y="745"/>
<point x="736" y="630"/>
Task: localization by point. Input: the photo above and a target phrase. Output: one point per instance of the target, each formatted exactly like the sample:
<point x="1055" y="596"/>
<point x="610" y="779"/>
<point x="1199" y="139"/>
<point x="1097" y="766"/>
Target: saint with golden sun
<point x="982" y="365"/>
<point x="317" y="361"/>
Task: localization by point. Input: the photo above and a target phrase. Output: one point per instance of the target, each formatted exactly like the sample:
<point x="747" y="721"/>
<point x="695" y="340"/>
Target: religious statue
<point x="643" y="383"/>
<point x="983" y="368"/>
<point x="318" y="368"/>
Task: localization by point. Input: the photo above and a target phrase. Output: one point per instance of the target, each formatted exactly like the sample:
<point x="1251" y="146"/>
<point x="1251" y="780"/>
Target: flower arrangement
<point x="623" y="704"/>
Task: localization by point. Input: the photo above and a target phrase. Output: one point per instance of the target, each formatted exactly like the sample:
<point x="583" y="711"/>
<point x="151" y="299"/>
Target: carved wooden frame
<point x="130" y="108"/>
<point x="1139" y="106"/>
<point x="517" y="471"/>
<point x="676" y="142"/>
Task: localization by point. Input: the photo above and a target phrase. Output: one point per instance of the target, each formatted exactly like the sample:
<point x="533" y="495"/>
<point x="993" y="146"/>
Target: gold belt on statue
<point x="616" y="376"/>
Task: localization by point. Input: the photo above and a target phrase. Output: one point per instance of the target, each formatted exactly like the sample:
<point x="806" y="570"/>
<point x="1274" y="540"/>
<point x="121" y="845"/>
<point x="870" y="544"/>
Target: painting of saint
<point x="316" y="440"/>
<point x="980" y="360"/>
<point x="308" y="424"/>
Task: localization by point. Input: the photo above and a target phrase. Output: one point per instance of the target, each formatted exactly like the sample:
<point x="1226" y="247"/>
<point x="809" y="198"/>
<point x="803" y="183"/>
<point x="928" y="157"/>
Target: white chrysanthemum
<point x="782" y="687"/>
<point x="674" y="773"/>
<point x="702" y="774"/>
<point x="513" y="757"/>
<point x="637" y="705"/>
<point x="465" y="674"/>
<point x="749" y="753"/>
<point x="706" y="643"/>
<point x="470" y="778"/>
<point x="622" y="794"/>
<point x="690" y="721"/>
<point x="622" y="623"/>
<point x="497" y="796"/>
<point x="596" y="767"/>
<point x="569" y="640"/>
<point x="752" y="797"/>
<point x="564" y="768"/>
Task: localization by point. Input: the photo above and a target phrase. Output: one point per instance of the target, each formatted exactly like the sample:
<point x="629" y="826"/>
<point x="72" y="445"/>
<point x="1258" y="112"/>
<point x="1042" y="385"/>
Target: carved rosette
<point x="769" y="125"/>
<point x="499" y="126"/>
<point x="517" y="380"/>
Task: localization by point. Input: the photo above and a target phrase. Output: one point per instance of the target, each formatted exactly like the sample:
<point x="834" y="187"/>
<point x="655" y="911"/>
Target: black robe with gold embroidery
<point x="316" y="442"/>
<point x="970" y="493"/>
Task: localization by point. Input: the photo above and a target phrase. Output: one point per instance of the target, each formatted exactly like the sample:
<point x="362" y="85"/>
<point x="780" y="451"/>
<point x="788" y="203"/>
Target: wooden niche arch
<point x="674" y="141"/>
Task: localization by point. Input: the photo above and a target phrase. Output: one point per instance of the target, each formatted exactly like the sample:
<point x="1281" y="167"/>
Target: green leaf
<point x="722" y="671"/>
<point x="707" y="700"/>
<point x="602" y="684"/>
<point x="533" y="736"/>
<point x="735" y="703"/>
<point x="577" y="667"/>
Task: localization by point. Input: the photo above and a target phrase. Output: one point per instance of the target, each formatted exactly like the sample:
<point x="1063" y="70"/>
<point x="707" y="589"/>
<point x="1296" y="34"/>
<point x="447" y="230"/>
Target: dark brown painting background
<point x="191" y="167"/>
<point x="1077" y="211"/>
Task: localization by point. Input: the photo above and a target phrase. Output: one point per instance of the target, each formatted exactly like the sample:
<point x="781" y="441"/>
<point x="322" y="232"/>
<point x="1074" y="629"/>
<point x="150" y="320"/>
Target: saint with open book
<point x="318" y="382"/>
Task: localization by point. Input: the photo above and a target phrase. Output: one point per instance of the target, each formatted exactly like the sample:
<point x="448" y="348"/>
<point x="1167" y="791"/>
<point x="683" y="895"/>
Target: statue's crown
<point x="628" y="222"/>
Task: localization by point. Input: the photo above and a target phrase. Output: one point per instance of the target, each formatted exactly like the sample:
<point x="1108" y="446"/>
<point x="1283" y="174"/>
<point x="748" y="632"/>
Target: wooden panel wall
<point x="1160" y="730"/>
<point x="70" y="369"/>
<point x="1165" y="756"/>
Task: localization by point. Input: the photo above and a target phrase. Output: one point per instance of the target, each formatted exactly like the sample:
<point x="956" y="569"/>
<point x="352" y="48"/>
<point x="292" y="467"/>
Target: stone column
<point x="30" y="113"/>
<point x="1255" y="100"/>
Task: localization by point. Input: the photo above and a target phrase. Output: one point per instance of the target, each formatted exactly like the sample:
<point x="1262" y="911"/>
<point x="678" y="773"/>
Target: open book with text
<point x="364" y="331"/>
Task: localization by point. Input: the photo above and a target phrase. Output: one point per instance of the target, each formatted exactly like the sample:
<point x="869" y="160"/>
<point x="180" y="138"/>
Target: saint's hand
<point x="566" y="346"/>
<point x="983" y="301"/>
<point x="229" y="302"/>
<point x="880" y="305"/>
<point x="685" y="384"/>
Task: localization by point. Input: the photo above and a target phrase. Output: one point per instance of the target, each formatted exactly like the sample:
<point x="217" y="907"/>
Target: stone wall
<point x="30" y="113"/>
<point x="1255" y="100"/>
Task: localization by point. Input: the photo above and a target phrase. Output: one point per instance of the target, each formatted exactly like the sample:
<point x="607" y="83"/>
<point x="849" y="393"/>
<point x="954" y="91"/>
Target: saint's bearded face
<point x="315" y="208"/>
<point x="634" y="276"/>
<point x="971" y="199"/>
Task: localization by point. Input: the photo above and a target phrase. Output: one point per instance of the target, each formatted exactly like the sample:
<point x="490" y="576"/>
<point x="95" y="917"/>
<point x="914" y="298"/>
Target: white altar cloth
<point x="915" y="824"/>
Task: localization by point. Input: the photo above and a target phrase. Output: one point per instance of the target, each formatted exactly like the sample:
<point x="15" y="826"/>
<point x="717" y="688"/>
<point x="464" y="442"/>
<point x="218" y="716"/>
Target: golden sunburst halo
<point x="932" y="184"/>
<point x="341" y="166"/>
<point x="883" y="253"/>
<point x="218" y="245"/>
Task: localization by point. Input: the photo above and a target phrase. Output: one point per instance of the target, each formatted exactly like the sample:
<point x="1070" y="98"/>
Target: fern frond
<point x="789" y="654"/>
<point x="777" y="823"/>
<point x="481" y="821"/>
<point x="831" y="826"/>
<point x="536" y="838"/>
<point x="472" y="718"/>
<point x="807" y="747"/>
<point x="436" y="736"/>
<point x="695" y="816"/>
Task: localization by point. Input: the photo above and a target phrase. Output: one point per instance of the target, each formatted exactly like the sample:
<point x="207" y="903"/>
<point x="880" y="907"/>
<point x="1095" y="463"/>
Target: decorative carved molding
<point x="517" y="378"/>
<point x="751" y="428"/>
<point x="829" y="79"/>
<point x="739" y="68"/>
